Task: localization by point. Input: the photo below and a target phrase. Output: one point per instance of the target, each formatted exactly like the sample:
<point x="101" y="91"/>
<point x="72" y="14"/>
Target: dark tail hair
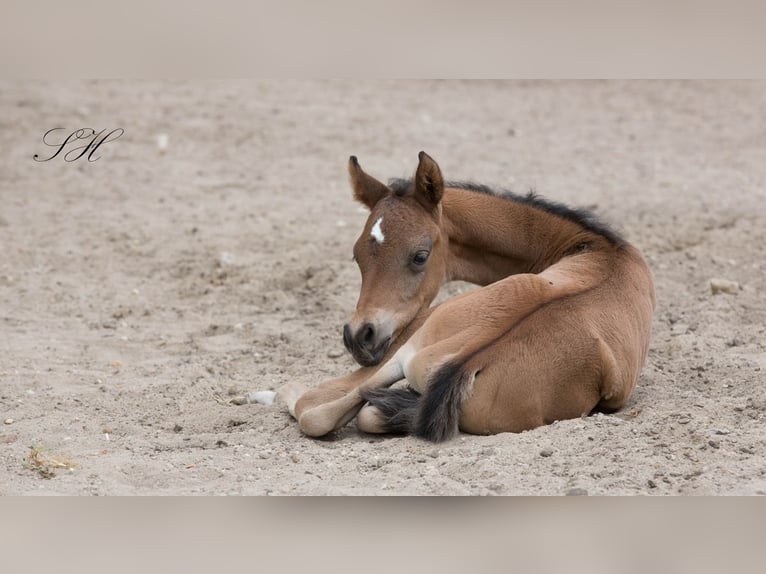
<point x="398" y="407"/>
<point x="433" y="416"/>
<point x="439" y="409"/>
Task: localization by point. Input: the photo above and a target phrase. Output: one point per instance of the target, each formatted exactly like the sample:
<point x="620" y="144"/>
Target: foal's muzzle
<point x="366" y="345"/>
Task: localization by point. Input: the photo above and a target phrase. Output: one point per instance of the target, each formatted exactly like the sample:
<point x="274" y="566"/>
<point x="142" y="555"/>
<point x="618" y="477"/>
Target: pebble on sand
<point x="723" y="286"/>
<point x="8" y="421"/>
<point x="162" y="142"/>
<point x="226" y="258"/>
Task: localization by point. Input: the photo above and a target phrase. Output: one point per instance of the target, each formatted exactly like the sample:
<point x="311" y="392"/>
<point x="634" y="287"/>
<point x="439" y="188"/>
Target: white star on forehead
<point x="376" y="232"/>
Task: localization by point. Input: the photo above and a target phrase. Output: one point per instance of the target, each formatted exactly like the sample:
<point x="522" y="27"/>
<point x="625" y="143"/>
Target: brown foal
<point x="560" y="327"/>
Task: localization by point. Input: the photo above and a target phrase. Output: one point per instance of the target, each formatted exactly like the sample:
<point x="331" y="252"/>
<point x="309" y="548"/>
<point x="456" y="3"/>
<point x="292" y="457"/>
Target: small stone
<point x="335" y="353"/>
<point x="177" y="428"/>
<point x="295" y="457"/>
<point x="651" y="484"/>
<point x="226" y="258"/>
<point x="546" y="452"/>
<point x="162" y="143"/>
<point x="723" y="286"/>
<point x="8" y="421"/>
<point x="714" y="443"/>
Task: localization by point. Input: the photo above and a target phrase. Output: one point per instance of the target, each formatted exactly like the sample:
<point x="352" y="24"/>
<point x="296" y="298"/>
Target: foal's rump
<point x="564" y="360"/>
<point x="547" y="370"/>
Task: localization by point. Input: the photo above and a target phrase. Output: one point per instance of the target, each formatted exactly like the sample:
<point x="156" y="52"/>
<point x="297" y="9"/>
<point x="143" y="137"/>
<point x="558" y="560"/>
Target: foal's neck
<point x="492" y="237"/>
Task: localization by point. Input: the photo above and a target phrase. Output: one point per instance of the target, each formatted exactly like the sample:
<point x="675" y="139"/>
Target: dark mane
<point x="583" y="217"/>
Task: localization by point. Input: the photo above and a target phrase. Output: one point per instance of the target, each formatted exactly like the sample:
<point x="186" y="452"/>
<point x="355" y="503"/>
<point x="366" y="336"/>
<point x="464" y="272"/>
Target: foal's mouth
<point x="369" y="357"/>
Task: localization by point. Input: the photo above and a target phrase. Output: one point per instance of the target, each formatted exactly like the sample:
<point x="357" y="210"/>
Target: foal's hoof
<point x="318" y="421"/>
<point x="313" y="425"/>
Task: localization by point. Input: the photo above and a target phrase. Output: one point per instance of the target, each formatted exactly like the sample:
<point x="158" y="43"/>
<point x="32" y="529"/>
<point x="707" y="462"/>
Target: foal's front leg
<point x="326" y="415"/>
<point x="299" y="398"/>
<point x="300" y="401"/>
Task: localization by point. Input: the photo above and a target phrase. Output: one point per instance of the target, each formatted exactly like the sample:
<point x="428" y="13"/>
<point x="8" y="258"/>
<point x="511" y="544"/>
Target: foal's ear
<point x="429" y="184"/>
<point x="367" y="189"/>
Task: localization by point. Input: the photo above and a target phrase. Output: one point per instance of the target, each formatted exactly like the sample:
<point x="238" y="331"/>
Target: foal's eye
<point x="420" y="258"/>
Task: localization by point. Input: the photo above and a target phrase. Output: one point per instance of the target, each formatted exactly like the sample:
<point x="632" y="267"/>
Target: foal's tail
<point x="439" y="409"/>
<point x="434" y="415"/>
<point x="398" y="408"/>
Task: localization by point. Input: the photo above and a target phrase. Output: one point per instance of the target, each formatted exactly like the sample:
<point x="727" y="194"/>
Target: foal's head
<point x="401" y="254"/>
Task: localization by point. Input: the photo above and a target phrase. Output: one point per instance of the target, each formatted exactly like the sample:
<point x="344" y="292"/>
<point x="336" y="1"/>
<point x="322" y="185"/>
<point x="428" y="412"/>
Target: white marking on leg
<point x="387" y="375"/>
<point x="405" y="355"/>
<point x="377" y="232"/>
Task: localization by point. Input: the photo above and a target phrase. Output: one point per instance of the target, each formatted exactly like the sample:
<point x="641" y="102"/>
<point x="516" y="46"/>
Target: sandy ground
<point x="139" y="290"/>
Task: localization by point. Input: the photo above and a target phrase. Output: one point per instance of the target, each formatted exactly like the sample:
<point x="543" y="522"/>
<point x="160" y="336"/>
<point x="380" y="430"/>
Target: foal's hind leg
<point x="616" y="383"/>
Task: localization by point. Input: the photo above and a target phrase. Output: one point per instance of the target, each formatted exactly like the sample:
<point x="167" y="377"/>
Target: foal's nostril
<point x="367" y="335"/>
<point x="347" y="336"/>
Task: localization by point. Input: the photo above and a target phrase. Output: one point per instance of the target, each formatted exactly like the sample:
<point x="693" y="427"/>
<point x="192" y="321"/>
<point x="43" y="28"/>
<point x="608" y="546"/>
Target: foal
<point x="561" y="327"/>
